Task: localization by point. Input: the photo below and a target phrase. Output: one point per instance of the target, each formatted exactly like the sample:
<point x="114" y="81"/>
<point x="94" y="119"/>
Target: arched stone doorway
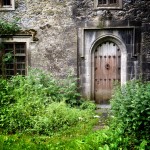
<point x="88" y="42"/>
<point x="109" y="63"/>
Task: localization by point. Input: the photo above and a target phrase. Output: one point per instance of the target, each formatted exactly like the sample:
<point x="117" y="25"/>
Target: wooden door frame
<point x="121" y="46"/>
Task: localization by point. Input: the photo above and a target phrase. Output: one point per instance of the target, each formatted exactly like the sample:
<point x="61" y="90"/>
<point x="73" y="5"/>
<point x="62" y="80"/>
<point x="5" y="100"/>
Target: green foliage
<point x="37" y="113"/>
<point x="7" y="57"/>
<point x="46" y="88"/>
<point x="4" y="59"/>
<point x="37" y="104"/>
<point x="8" y="27"/>
<point x="106" y="139"/>
<point x="57" y="117"/>
<point x="88" y="105"/>
<point x="110" y="138"/>
<point x="48" y="120"/>
<point x="131" y="106"/>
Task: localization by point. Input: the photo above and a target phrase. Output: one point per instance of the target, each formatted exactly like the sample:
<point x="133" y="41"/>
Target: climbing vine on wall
<point x="6" y="28"/>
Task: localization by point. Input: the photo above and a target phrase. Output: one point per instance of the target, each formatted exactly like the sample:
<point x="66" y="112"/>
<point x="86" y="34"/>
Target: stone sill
<point x="107" y="8"/>
<point x="6" y="8"/>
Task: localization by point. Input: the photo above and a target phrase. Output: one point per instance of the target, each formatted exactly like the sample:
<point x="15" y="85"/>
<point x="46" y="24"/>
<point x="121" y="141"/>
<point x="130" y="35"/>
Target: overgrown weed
<point x="41" y="104"/>
<point x="40" y="112"/>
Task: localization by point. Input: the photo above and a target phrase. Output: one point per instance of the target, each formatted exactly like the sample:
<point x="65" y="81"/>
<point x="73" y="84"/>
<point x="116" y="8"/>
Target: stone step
<point x="103" y="106"/>
<point x="102" y="113"/>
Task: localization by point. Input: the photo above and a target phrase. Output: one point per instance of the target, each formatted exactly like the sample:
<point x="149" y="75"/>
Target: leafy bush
<point x="37" y="104"/>
<point x="39" y="119"/>
<point x="88" y="105"/>
<point x="58" y="116"/>
<point x="131" y="107"/>
<point x="43" y="86"/>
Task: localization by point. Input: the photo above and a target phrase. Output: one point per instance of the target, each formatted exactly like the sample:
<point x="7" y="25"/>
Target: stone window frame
<point x="7" y="7"/>
<point x="17" y="64"/>
<point x="21" y="39"/>
<point x="108" y="6"/>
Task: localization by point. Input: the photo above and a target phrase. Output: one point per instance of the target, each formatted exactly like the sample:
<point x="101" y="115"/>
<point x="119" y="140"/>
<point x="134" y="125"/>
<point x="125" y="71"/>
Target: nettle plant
<point x="40" y="104"/>
<point x="131" y="106"/>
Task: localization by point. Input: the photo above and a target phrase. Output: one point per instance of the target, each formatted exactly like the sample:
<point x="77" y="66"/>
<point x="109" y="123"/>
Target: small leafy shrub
<point x="106" y="139"/>
<point x="131" y="107"/>
<point x="8" y="27"/>
<point x="57" y="117"/>
<point x="88" y="105"/>
<point x="40" y="119"/>
<point x="40" y="85"/>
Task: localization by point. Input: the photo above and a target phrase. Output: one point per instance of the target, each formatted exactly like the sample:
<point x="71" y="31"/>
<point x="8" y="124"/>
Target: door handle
<point x="107" y="66"/>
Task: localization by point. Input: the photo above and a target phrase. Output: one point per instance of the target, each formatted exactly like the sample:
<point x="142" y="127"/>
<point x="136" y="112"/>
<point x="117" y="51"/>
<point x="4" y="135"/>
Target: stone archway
<point x="89" y="40"/>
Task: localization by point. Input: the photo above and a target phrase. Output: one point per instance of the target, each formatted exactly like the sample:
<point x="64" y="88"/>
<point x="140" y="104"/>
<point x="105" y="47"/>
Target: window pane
<point x="20" y="48"/>
<point x="10" y="72"/>
<point x="21" y="72"/>
<point x="20" y="59"/>
<point x="0" y="71"/>
<point x="6" y="2"/>
<point x="10" y="66"/>
<point x="8" y="48"/>
<point x="113" y="1"/>
<point x="108" y="4"/>
<point x="101" y="2"/>
<point x="20" y="66"/>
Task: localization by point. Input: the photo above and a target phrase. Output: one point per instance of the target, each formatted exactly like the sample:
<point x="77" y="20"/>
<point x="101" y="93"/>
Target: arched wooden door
<point x="107" y="63"/>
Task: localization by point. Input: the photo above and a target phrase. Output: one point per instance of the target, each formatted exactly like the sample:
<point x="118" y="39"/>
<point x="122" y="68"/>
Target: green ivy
<point x="8" y="27"/>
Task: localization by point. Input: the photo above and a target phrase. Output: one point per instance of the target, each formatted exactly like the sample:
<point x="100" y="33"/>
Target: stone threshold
<point x="103" y="106"/>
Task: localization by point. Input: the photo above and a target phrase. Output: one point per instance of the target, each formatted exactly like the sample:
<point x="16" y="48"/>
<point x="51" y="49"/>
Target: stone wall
<point x="135" y="10"/>
<point x="145" y="52"/>
<point x="56" y="49"/>
<point x="134" y="13"/>
<point x="58" y="21"/>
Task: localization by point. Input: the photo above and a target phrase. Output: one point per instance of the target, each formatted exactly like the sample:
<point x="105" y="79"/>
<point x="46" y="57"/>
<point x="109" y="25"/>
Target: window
<point x="16" y="64"/>
<point x="6" y="2"/>
<point x="108" y="4"/>
<point x="7" y="5"/>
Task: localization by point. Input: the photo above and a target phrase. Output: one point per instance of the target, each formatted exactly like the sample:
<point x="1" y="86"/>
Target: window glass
<point x="102" y="2"/>
<point x="108" y="4"/>
<point x="6" y="2"/>
<point x="113" y="1"/>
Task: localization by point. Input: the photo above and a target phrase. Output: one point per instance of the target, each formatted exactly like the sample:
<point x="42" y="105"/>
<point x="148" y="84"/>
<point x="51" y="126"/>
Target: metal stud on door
<point x="107" y="70"/>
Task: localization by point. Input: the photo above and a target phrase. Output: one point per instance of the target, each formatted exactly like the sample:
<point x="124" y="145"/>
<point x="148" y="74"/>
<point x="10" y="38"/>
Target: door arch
<point x="109" y="61"/>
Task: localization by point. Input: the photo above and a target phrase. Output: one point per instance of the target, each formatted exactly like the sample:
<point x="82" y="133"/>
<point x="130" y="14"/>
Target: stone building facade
<point x="63" y="35"/>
